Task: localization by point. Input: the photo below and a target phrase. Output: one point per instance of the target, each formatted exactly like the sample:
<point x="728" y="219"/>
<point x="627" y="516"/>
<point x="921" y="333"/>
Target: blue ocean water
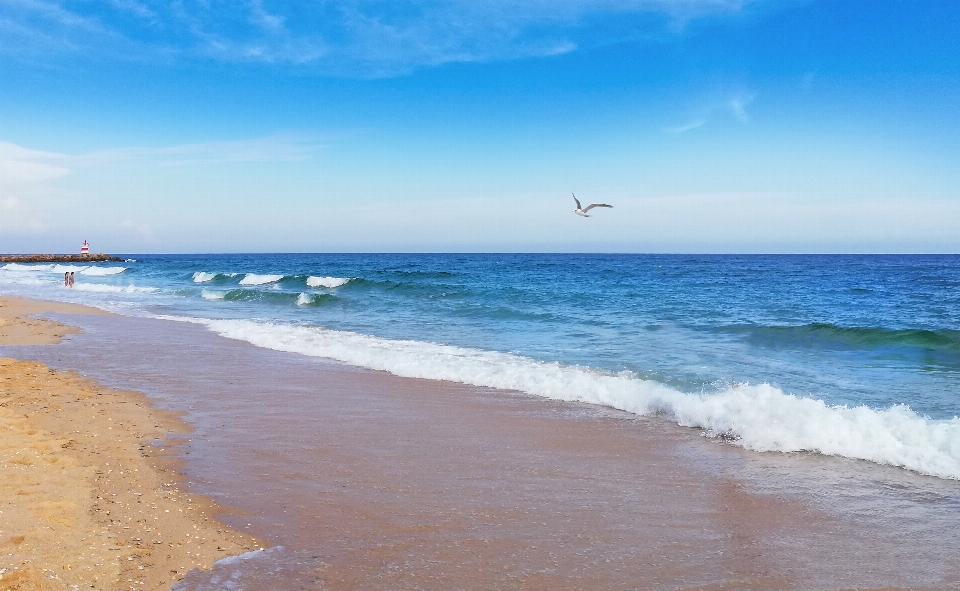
<point x="851" y="355"/>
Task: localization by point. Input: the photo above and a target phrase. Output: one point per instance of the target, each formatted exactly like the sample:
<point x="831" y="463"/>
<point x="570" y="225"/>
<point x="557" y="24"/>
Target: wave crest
<point x="21" y="267"/>
<point x="328" y="282"/>
<point x="854" y="337"/>
<point x="254" y="279"/>
<point x="102" y="271"/>
<point x="203" y="277"/>
<point x="315" y="299"/>
<point x="103" y="288"/>
<point x="90" y="270"/>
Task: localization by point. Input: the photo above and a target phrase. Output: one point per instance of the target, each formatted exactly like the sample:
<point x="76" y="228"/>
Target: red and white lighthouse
<point x="85" y="249"/>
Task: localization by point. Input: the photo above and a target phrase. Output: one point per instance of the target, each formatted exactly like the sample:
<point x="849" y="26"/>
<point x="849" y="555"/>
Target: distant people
<point x="71" y="278"/>
<point x="66" y="278"/>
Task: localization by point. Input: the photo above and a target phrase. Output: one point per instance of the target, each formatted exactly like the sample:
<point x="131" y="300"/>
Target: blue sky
<point x="452" y="125"/>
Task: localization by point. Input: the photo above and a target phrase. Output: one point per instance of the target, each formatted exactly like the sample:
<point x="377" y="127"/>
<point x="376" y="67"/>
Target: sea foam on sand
<point x="758" y="417"/>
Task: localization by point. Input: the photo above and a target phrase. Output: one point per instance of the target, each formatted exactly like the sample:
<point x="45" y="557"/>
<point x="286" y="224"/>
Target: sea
<point x="840" y="355"/>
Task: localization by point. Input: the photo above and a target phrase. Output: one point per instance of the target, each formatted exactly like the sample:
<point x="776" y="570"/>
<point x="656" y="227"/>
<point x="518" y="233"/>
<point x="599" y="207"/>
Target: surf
<point x="758" y="417"/>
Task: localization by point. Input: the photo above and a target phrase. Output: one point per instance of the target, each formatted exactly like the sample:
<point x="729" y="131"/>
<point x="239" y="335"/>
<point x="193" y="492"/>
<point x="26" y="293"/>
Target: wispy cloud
<point x="20" y="166"/>
<point x="26" y="187"/>
<point x="686" y="126"/>
<point x="731" y="104"/>
<point x="274" y="148"/>
<point x="348" y="37"/>
<point x="38" y="187"/>
<point x="738" y="106"/>
<point x="144" y="231"/>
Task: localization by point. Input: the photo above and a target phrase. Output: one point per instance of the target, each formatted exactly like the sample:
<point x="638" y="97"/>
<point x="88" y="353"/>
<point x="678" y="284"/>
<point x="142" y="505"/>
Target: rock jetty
<point x="57" y="258"/>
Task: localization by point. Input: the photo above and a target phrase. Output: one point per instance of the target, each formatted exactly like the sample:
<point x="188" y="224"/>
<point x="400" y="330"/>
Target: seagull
<point x="583" y="210"/>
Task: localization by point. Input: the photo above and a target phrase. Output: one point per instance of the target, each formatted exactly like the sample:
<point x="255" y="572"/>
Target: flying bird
<point x="583" y="210"/>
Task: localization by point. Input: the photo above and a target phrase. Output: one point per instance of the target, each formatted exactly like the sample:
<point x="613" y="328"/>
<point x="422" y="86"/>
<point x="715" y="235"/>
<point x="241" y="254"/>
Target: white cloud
<point x="144" y="231"/>
<point x="733" y="104"/>
<point x="28" y="191"/>
<point x="39" y="190"/>
<point x="738" y="107"/>
<point x="351" y="37"/>
<point x="263" y="19"/>
<point x="273" y="148"/>
<point x="21" y="167"/>
<point x="696" y="123"/>
<point x="135" y="8"/>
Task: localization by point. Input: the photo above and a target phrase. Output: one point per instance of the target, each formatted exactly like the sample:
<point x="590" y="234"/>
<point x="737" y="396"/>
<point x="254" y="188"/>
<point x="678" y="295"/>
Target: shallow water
<point x="857" y="356"/>
<point x="367" y="480"/>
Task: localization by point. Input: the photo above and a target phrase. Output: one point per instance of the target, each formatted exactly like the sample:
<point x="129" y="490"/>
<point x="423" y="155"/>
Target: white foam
<point x="65" y="268"/>
<point x="761" y="417"/>
<point x="208" y="294"/>
<point x="203" y="277"/>
<point x="20" y="267"/>
<point x="228" y="573"/>
<point x="102" y="288"/>
<point x="253" y="279"/>
<point x="30" y="280"/>
<point x="328" y="282"/>
<point x="91" y="270"/>
<point x="304" y="299"/>
<point x="102" y="271"/>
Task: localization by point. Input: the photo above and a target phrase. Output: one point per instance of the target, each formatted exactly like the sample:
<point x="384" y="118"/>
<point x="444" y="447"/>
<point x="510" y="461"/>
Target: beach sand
<point x="89" y="495"/>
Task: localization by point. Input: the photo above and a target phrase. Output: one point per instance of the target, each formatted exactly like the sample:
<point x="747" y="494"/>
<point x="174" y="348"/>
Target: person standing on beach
<point x="71" y="278"/>
<point x="66" y="278"/>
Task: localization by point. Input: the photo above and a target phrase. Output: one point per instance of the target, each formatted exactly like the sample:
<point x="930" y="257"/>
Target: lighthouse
<point x="85" y="249"/>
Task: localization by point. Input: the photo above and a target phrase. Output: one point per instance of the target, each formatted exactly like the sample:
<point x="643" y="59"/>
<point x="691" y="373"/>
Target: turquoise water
<point x="776" y="352"/>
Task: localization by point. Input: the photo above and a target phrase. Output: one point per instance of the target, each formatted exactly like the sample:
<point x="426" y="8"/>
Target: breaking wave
<point x="22" y="267"/>
<point x="254" y="279"/>
<point x="756" y="417"/>
<point x="102" y="271"/>
<point x="204" y="277"/>
<point x="90" y="270"/>
<point x="315" y="299"/>
<point x="103" y="288"/>
<point x="328" y="282"/>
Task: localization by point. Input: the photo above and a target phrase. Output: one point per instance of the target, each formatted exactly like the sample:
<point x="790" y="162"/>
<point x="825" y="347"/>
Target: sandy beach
<point x="89" y="495"/>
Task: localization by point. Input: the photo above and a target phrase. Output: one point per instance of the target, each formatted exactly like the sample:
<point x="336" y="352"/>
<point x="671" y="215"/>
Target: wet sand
<point x="364" y="480"/>
<point x="90" y="489"/>
<point x="19" y="326"/>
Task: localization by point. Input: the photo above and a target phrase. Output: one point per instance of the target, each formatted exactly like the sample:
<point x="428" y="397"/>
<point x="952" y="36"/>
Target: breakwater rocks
<point x="57" y="258"/>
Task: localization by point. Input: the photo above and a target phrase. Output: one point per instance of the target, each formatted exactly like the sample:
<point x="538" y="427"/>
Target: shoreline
<point x="368" y="480"/>
<point x="90" y="484"/>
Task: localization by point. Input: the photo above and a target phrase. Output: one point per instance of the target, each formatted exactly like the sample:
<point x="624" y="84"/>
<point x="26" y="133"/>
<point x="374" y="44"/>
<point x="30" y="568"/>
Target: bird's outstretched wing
<point x="577" y="200"/>
<point x="592" y="205"/>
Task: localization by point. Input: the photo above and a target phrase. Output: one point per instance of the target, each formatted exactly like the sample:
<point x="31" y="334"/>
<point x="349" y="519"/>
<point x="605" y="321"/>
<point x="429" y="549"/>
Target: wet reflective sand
<point x="369" y="481"/>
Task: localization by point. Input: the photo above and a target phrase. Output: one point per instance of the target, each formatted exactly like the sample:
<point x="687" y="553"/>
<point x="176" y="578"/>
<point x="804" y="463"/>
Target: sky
<point x="465" y="125"/>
